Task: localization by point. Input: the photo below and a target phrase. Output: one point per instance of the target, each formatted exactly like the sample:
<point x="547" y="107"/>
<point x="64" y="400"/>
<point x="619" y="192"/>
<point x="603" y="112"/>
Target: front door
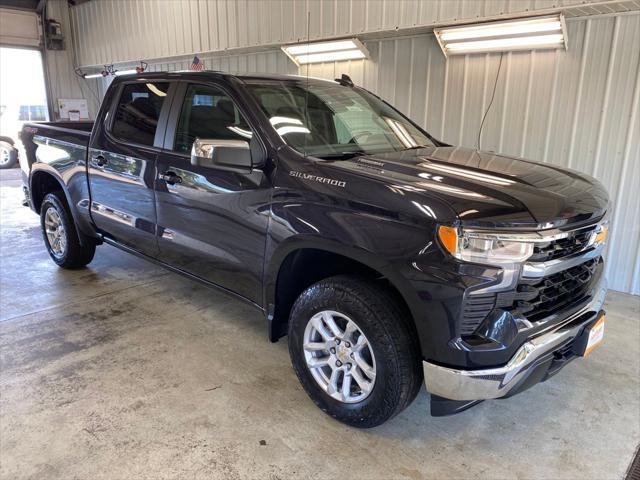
<point x="212" y="223"/>
<point x="122" y="166"/>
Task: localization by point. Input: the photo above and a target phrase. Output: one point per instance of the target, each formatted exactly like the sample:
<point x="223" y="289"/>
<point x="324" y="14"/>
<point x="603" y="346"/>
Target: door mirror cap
<point x="234" y="155"/>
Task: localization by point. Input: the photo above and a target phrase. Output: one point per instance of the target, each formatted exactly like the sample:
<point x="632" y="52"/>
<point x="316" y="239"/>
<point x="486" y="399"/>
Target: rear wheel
<point x="61" y="236"/>
<point x="353" y="350"/>
<point x="8" y="155"/>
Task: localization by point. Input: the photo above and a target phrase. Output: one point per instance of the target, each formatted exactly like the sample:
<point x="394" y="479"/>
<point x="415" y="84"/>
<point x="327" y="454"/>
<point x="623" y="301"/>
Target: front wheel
<point x="61" y="237"/>
<point x="354" y="351"/>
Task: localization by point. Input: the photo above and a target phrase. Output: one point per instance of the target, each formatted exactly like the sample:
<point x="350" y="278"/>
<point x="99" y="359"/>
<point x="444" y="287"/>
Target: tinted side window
<point x="136" y="117"/>
<point x="208" y="112"/>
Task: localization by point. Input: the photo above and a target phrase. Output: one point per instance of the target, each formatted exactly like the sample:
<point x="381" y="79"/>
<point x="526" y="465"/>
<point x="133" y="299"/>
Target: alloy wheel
<point x="56" y="234"/>
<point x="339" y="356"/>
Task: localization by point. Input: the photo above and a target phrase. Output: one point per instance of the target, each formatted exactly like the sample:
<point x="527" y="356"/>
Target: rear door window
<point x="138" y="111"/>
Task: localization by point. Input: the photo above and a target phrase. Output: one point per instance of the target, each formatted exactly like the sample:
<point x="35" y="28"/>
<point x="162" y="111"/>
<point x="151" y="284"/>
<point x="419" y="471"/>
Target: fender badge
<point x="316" y="178"/>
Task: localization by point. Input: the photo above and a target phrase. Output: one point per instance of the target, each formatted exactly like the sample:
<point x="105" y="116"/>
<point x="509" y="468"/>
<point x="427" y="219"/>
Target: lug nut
<point x="347" y="344"/>
<point x="338" y="341"/>
<point x="349" y="366"/>
<point x="332" y="350"/>
<point x="338" y="363"/>
<point x="351" y="354"/>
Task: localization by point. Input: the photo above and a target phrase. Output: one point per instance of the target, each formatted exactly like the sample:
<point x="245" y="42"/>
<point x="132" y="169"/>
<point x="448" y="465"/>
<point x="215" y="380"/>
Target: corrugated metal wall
<point x="577" y="108"/>
<point x="114" y="31"/>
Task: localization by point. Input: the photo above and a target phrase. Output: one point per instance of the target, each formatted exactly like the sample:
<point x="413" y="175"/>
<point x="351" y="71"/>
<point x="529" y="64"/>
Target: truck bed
<point x="72" y="136"/>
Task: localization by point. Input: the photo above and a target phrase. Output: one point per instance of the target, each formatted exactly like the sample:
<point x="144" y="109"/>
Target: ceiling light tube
<point x="317" y="52"/>
<point x="520" y="34"/>
<point x="125" y="72"/>
<point x="94" y="75"/>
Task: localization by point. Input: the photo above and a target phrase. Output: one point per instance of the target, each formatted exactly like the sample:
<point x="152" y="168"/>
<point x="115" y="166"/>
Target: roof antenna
<point x="344" y="80"/>
<point x="493" y="94"/>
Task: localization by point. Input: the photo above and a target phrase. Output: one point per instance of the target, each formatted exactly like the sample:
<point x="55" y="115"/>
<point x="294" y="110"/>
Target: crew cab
<point x="389" y="258"/>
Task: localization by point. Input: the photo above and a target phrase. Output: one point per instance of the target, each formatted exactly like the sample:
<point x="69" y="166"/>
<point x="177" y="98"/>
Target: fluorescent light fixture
<point x="94" y="75"/>
<point x="546" y="32"/>
<point x="317" y="52"/>
<point x="125" y="72"/>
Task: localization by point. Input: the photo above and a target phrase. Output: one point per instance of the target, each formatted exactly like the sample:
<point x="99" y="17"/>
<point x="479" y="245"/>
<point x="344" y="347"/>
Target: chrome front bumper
<point x="467" y="385"/>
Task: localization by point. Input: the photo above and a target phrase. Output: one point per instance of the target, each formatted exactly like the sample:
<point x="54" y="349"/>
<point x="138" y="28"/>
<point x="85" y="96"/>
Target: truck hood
<point x="488" y="190"/>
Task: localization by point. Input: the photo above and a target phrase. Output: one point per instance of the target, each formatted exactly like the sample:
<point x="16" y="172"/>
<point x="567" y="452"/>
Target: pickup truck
<point x="389" y="258"/>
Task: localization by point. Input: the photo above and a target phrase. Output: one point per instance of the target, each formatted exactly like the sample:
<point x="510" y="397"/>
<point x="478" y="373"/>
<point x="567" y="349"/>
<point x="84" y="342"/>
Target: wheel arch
<point x="44" y="181"/>
<point x="301" y="262"/>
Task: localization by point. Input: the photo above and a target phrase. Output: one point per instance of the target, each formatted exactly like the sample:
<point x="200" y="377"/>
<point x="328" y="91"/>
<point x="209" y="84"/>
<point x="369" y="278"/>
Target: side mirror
<point x="234" y="155"/>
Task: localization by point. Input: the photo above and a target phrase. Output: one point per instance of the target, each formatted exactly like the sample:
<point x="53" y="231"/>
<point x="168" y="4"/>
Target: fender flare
<point x="360" y="255"/>
<point x="43" y="169"/>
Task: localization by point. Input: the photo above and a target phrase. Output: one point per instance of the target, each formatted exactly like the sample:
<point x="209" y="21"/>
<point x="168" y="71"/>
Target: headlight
<point x="600" y="234"/>
<point x="485" y="247"/>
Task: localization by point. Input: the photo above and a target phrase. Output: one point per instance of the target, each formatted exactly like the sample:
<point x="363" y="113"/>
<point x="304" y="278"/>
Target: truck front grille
<point x="475" y="309"/>
<point x="540" y="297"/>
<point x="563" y="247"/>
<point x="534" y="298"/>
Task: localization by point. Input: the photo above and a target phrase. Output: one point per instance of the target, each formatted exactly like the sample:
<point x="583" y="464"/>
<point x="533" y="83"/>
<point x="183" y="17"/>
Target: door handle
<point x="100" y="160"/>
<point x="171" y="178"/>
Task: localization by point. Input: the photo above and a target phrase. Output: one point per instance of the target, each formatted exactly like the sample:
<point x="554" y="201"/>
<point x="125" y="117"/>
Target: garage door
<point x="19" y="28"/>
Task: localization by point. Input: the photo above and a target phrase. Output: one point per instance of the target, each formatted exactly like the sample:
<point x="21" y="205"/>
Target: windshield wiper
<point x="341" y="155"/>
<point x="417" y="147"/>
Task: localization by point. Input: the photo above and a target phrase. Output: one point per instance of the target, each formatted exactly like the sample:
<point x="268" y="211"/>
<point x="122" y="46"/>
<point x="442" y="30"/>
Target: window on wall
<point x="208" y="112"/>
<point x="138" y="111"/>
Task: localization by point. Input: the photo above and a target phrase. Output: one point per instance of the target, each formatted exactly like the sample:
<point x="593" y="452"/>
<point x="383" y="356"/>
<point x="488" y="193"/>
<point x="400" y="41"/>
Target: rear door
<point x="212" y="222"/>
<point x="122" y="164"/>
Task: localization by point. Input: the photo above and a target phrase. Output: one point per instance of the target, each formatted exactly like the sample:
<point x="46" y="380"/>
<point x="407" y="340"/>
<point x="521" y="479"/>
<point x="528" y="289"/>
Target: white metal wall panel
<point x="116" y="31"/>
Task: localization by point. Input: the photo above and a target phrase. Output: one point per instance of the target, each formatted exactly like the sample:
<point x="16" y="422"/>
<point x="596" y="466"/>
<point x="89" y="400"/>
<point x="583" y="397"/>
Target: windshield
<point x="339" y="120"/>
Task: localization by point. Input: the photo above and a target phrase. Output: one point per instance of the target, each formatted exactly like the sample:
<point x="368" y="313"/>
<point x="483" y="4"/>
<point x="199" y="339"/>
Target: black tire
<point x="9" y="154"/>
<point x="74" y="255"/>
<point x="385" y="324"/>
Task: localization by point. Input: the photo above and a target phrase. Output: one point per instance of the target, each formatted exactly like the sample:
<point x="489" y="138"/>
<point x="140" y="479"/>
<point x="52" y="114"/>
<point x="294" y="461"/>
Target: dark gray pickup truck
<point x="389" y="258"/>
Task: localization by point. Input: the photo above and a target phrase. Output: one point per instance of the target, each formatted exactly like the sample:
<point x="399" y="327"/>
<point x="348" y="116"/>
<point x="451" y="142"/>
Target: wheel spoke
<point x="364" y="385"/>
<point x="333" y="382"/>
<point x="331" y="323"/>
<point x="315" y="346"/>
<point x="318" y="362"/>
<point x="346" y="386"/>
<point x="361" y="343"/>
<point x="364" y="366"/>
<point x="321" y="329"/>
<point x="350" y="330"/>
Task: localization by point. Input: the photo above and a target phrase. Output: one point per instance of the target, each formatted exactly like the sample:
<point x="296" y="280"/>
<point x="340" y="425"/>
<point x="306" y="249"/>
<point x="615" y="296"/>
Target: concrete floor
<point x="123" y="370"/>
